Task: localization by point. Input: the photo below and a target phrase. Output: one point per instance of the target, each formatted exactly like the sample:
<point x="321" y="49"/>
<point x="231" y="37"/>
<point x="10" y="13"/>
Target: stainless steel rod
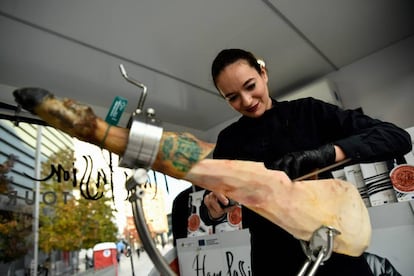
<point x="159" y="262"/>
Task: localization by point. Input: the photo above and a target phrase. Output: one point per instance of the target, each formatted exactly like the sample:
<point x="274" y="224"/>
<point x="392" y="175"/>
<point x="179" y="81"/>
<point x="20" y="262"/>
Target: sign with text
<point x="115" y="112"/>
<point x="225" y="253"/>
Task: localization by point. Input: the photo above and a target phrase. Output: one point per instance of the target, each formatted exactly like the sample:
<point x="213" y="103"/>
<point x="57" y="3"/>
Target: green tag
<point x="115" y="112"/>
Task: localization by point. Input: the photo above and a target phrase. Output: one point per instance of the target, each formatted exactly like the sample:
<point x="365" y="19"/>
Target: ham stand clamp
<point x="318" y="249"/>
<point x="144" y="135"/>
<point x="142" y="148"/>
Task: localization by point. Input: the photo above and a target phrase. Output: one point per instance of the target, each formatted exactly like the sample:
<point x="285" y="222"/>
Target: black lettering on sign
<point x="239" y="269"/>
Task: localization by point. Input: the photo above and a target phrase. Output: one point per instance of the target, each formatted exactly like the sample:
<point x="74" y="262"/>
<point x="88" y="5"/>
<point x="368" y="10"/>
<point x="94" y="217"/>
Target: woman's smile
<point x="253" y="108"/>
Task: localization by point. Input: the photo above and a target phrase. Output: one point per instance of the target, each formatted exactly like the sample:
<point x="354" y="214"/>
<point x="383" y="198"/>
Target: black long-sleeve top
<point x="304" y="124"/>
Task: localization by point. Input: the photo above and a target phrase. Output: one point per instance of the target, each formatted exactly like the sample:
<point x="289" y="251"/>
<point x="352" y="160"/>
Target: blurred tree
<point x="69" y="223"/>
<point x="15" y="230"/>
<point x="96" y="221"/>
<point x="15" y="226"/>
<point x="5" y="167"/>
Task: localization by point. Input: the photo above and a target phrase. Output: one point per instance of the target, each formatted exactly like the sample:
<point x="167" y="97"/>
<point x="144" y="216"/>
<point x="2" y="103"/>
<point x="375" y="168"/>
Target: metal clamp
<point x="143" y="142"/>
<point x="144" y="135"/>
<point x="318" y="249"/>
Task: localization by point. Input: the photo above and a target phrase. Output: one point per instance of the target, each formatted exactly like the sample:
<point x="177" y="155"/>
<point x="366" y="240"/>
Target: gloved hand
<point x="299" y="163"/>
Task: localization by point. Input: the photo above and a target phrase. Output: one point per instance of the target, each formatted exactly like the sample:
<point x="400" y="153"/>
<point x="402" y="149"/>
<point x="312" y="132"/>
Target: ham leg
<point x="298" y="207"/>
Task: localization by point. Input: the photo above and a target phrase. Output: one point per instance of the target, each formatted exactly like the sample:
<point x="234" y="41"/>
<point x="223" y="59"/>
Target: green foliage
<point x="96" y="221"/>
<point x="72" y="223"/>
<point x="15" y="228"/>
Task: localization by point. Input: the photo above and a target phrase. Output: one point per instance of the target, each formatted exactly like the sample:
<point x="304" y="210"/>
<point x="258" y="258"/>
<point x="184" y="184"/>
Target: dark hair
<point x="229" y="56"/>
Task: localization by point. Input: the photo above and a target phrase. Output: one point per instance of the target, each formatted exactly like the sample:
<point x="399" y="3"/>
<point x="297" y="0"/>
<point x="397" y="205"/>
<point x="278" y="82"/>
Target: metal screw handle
<point x="136" y="83"/>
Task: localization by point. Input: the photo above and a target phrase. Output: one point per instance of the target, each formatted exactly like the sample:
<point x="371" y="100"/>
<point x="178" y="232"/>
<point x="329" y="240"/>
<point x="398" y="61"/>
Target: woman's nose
<point x="246" y="99"/>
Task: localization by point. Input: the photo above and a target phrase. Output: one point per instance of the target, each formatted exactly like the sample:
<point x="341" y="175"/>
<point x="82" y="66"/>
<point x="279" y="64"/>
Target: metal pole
<point x="130" y="254"/>
<point x="159" y="262"/>
<point x="38" y="157"/>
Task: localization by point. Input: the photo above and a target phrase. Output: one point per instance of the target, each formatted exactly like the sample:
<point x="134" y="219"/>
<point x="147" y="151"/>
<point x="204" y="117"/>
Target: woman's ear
<point x="263" y="73"/>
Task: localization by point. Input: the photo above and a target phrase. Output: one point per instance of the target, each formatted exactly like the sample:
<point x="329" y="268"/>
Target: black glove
<point x="299" y="163"/>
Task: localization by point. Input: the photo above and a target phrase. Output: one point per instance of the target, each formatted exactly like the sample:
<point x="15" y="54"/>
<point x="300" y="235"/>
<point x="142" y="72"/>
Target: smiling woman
<point x="298" y="207"/>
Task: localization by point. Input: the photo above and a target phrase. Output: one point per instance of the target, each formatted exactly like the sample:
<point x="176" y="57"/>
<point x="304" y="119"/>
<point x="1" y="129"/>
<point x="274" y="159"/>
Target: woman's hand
<point x="215" y="203"/>
<point x="299" y="163"/>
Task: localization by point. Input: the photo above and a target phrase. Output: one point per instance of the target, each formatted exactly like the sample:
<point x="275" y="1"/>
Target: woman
<point x="298" y="137"/>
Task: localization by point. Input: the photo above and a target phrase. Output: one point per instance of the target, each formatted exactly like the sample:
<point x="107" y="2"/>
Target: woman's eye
<point x="231" y="98"/>
<point x="251" y="87"/>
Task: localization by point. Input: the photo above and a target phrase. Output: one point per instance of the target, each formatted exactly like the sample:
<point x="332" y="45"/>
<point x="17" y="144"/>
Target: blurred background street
<point x="140" y="266"/>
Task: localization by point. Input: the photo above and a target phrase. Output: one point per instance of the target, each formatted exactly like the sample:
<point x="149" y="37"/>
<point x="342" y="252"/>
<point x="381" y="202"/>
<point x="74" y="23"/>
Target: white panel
<point x="409" y="157"/>
<point x="322" y="89"/>
<point x="392" y="235"/>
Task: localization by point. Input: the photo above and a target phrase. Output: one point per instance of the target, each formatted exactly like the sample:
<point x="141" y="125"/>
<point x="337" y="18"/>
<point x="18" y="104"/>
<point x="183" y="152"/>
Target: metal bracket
<point x="144" y="138"/>
<point x="135" y="182"/>
<point x="144" y="135"/>
<point x="318" y="249"/>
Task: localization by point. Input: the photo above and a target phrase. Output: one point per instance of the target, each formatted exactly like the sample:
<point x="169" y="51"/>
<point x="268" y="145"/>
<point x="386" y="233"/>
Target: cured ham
<point x="299" y="207"/>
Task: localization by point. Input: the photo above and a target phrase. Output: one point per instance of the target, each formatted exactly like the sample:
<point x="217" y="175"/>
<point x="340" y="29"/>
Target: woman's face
<point x="245" y="89"/>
